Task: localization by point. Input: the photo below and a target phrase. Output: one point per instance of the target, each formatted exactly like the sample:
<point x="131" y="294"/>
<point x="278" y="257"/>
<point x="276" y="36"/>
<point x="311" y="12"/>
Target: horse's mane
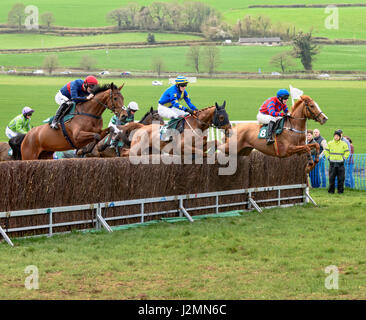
<point x="204" y="109"/>
<point x="104" y="87"/>
<point x="298" y="102"/>
<point x="145" y="116"/>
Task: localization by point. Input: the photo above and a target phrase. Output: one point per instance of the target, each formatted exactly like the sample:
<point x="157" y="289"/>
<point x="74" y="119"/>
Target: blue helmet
<point x="181" y="80"/>
<point x="282" y="93"/>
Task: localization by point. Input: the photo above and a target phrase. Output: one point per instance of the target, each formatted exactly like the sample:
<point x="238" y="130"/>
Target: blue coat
<point x="74" y="91"/>
<point x="172" y="96"/>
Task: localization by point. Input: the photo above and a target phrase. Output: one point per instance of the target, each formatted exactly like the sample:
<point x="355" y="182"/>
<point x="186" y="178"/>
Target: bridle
<point x="113" y="108"/>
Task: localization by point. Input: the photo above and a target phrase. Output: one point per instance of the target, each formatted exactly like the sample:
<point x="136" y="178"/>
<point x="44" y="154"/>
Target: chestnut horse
<point x="147" y="139"/>
<point x="85" y="127"/>
<point x="121" y="134"/>
<point x="290" y="141"/>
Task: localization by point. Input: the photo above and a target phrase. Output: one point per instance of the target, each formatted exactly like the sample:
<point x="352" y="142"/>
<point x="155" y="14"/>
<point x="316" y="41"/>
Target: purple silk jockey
<point x="270" y="112"/>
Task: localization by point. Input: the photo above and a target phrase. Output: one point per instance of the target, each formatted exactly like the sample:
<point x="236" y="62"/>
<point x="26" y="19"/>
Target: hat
<point x="338" y="132"/>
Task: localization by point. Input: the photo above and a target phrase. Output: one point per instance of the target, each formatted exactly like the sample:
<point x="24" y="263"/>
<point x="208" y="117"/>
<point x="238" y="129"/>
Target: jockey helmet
<point x="283" y="94"/>
<point x="133" y="106"/>
<point x="91" y="81"/>
<point x="27" y="111"/>
<point x="181" y="80"/>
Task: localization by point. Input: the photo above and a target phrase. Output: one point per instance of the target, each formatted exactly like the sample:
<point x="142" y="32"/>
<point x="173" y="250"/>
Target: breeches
<point x="10" y="133"/>
<point x="60" y="98"/>
<point x="266" y="118"/>
<point x="170" y="113"/>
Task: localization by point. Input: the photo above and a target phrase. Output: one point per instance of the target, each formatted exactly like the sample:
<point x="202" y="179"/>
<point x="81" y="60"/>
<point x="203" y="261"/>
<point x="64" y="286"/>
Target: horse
<point x="122" y="136"/>
<point x="4" y="152"/>
<point x="147" y="139"/>
<point x="290" y="141"/>
<point x="85" y="127"/>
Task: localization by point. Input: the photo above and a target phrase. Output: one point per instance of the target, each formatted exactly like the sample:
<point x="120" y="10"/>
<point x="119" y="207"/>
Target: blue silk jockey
<point x="270" y="112"/>
<point x="169" y="103"/>
<point x="78" y="90"/>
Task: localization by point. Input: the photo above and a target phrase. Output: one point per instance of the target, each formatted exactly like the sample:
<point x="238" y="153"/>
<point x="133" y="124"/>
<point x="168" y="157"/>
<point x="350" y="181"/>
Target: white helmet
<point x="133" y="106"/>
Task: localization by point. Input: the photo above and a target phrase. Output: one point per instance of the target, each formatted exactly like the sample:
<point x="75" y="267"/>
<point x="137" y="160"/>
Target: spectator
<point x="350" y="183"/>
<point x="347" y="175"/>
<point x="337" y="152"/>
<point x="314" y="174"/>
<point x="321" y="164"/>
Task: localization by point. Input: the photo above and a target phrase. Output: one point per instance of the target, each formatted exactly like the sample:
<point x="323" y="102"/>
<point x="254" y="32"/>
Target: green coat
<point x="19" y="124"/>
<point x="337" y="151"/>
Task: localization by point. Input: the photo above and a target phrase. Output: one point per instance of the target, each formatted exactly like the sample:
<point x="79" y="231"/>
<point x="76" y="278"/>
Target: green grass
<point x="22" y="41"/>
<point x="92" y="14"/>
<point x="233" y="59"/>
<point x="280" y="254"/>
<point x="351" y="20"/>
<point x="342" y="101"/>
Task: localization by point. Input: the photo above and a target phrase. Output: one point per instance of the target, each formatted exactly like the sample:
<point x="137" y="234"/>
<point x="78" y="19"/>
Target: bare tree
<point x="211" y="58"/>
<point x="16" y="15"/>
<point x="48" y="18"/>
<point x="283" y="60"/>
<point x="87" y="62"/>
<point x="158" y="65"/>
<point x="193" y="57"/>
<point x="50" y="63"/>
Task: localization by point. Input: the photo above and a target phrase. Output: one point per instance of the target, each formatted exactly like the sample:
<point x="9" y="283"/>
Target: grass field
<point x="280" y="254"/>
<point x="232" y="59"/>
<point x="342" y="101"/>
<point x="70" y="13"/>
<point x="28" y="41"/>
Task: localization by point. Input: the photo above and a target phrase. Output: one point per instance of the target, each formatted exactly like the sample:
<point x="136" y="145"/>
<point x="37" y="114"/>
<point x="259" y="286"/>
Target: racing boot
<point x="60" y="111"/>
<point x="269" y="136"/>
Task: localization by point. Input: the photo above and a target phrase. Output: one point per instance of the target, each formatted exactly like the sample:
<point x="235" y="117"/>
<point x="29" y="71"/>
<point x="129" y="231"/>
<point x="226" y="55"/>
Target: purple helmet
<point x="27" y="111"/>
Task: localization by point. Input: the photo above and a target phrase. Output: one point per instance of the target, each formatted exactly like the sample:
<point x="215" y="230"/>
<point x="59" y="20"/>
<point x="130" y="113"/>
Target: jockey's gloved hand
<point x="191" y="112"/>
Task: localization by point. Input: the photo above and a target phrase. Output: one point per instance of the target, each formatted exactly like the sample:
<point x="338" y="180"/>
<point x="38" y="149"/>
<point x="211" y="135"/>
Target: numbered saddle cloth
<point x="278" y="128"/>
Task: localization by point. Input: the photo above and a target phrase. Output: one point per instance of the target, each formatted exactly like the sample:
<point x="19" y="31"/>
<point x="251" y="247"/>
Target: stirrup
<point x="54" y="125"/>
<point x="270" y="141"/>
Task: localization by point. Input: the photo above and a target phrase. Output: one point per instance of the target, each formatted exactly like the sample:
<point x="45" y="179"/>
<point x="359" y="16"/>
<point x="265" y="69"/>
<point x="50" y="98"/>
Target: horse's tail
<point x="15" y="143"/>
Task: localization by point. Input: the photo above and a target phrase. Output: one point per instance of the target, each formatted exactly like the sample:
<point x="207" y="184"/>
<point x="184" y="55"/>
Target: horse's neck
<point x="298" y="119"/>
<point x="93" y="106"/>
<point x="206" y="118"/>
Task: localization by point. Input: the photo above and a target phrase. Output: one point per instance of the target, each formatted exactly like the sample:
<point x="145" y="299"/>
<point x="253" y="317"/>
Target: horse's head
<point x="151" y="116"/>
<point x="221" y="118"/>
<point x="312" y="110"/>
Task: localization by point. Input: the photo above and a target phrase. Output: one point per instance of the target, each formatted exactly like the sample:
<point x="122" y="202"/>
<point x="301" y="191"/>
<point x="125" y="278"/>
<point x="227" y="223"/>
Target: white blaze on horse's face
<point x="325" y="118"/>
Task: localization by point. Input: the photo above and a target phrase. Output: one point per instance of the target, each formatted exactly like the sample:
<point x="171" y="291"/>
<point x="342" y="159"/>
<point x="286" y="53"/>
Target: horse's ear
<point x="151" y="109"/>
<point x="223" y="106"/>
<point x="112" y="85"/>
<point x="120" y="88"/>
<point x="216" y="105"/>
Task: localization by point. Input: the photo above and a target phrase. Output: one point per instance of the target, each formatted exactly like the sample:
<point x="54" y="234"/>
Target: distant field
<point x="352" y="21"/>
<point x="22" y="41"/>
<point x="233" y="59"/>
<point x="92" y="14"/>
<point x="342" y="101"/>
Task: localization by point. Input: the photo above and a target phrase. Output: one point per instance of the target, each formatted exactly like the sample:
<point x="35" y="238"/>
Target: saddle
<point x="278" y="128"/>
<point x="168" y="130"/>
<point x="68" y="115"/>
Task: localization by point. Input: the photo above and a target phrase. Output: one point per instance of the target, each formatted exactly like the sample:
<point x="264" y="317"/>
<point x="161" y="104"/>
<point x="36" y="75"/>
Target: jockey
<point x="270" y="110"/>
<point x="169" y="106"/>
<point x="78" y="90"/>
<point x="131" y="110"/>
<point x="20" y="124"/>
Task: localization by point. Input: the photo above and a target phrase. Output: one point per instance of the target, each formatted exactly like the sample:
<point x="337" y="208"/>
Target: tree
<point x="283" y="60"/>
<point x="47" y="19"/>
<point x="50" y="63"/>
<point x="117" y="15"/>
<point x="87" y="62"/>
<point x="158" y="65"/>
<point x="16" y="15"/>
<point x="211" y="58"/>
<point x="193" y="57"/>
<point x="304" y="49"/>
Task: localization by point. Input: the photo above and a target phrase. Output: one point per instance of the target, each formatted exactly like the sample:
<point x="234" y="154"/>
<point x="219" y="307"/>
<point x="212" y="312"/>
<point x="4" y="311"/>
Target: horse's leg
<point x="303" y="149"/>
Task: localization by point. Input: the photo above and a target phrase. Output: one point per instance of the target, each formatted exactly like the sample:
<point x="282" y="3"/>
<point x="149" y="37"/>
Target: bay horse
<point x="147" y="139"/>
<point x="4" y="152"/>
<point x="85" y="127"/>
<point x="290" y="141"/>
<point x="121" y="133"/>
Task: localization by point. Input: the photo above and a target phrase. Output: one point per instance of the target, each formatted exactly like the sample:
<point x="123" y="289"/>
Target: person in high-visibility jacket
<point x="336" y="152"/>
